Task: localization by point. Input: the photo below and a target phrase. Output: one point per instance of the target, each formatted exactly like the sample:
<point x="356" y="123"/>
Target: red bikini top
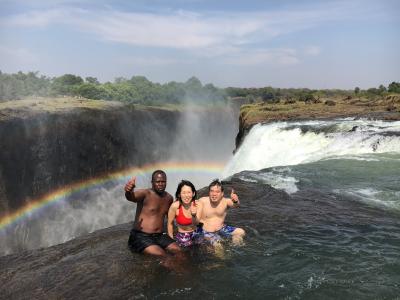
<point x="181" y="219"/>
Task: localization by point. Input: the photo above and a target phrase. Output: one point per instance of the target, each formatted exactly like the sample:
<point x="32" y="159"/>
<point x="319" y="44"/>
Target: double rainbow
<point x="203" y="168"/>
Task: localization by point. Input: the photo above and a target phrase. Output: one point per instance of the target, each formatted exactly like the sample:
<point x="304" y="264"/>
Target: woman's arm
<point x="196" y="210"/>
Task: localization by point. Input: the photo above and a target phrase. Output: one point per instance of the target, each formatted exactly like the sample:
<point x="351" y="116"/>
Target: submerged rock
<point x="297" y="246"/>
<point x="100" y="265"/>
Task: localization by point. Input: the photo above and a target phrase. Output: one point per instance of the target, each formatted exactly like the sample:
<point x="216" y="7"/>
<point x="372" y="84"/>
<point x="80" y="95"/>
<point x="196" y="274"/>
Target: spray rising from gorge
<point x="193" y="144"/>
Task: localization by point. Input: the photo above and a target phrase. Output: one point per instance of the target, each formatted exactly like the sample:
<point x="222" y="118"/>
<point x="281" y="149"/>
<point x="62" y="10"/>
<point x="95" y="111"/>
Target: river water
<point x="341" y="238"/>
<point x="328" y="229"/>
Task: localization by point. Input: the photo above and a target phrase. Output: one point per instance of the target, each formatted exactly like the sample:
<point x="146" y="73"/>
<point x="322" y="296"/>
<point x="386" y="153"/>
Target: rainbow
<point x="36" y="205"/>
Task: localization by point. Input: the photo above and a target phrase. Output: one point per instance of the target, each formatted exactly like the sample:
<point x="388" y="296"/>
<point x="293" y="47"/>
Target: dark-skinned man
<point x="147" y="235"/>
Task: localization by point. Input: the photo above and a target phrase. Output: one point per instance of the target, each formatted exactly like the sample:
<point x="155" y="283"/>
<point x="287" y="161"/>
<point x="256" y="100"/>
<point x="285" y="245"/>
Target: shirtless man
<point x="212" y="213"/>
<point x="147" y="234"/>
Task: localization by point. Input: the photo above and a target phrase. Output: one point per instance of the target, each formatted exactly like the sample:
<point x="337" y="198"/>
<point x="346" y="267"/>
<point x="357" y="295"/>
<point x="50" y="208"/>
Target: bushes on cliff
<point x="16" y="86"/>
<point x="140" y="90"/>
<point x="394" y="87"/>
<point x="66" y="85"/>
<point x="137" y="89"/>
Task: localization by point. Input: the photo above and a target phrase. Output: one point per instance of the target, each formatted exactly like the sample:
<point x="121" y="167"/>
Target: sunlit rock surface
<point x="307" y="245"/>
<point x="100" y="265"/>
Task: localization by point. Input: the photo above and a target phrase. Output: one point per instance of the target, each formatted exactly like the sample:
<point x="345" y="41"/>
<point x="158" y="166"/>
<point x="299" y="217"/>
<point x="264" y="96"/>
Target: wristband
<point x="235" y="202"/>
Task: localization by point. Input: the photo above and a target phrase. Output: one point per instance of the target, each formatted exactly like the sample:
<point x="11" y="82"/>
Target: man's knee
<point x="174" y="248"/>
<point x="239" y="232"/>
<point x="154" y="250"/>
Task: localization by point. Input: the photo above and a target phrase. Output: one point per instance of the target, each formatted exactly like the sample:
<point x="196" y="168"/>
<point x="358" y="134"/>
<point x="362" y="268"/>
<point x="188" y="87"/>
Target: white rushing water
<point x="287" y="144"/>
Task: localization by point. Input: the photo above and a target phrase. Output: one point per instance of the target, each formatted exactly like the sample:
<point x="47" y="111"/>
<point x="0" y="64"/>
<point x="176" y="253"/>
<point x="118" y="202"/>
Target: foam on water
<point x="285" y="144"/>
<point x="274" y="179"/>
<point x="379" y="198"/>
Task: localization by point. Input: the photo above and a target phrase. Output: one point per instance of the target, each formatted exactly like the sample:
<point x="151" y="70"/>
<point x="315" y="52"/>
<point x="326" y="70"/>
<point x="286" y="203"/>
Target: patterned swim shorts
<point x="184" y="239"/>
<point x="213" y="237"/>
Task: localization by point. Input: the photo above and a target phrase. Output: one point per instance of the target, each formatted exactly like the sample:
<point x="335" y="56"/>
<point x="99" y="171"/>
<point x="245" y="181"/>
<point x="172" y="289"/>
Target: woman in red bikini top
<point x="184" y="212"/>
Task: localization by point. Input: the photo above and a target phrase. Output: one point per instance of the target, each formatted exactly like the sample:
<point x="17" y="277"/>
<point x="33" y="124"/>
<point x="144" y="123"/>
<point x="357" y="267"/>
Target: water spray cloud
<point x="210" y="168"/>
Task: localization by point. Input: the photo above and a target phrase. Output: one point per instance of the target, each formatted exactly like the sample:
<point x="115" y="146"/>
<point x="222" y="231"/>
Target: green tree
<point x="356" y="90"/>
<point x="120" y="80"/>
<point x="394" y="87"/>
<point x="173" y="92"/>
<point x="382" y="88"/>
<point x="9" y="87"/>
<point x="373" y="91"/>
<point x="194" y="90"/>
<point x="92" y="80"/>
<point x="91" y="91"/>
<point x="66" y="84"/>
<point x="193" y="83"/>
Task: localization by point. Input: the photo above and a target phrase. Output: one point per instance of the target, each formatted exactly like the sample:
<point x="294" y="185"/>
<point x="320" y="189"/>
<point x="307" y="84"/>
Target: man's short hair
<point x="156" y="172"/>
<point x="216" y="182"/>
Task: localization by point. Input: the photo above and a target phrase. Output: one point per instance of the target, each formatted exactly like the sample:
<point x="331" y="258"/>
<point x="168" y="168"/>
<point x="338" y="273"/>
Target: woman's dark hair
<point x="179" y="189"/>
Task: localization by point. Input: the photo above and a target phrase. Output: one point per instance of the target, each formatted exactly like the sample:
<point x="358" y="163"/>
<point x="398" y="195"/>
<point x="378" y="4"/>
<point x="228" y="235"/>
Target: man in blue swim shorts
<point x="212" y="212"/>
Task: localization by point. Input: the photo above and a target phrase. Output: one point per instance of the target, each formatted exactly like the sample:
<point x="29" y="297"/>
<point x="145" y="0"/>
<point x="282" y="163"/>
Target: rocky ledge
<point x="100" y="266"/>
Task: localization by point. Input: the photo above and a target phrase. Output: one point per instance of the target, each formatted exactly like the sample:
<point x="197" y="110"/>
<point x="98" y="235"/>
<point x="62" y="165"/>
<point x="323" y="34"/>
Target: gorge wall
<point x="45" y="150"/>
<point x="52" y="150"/>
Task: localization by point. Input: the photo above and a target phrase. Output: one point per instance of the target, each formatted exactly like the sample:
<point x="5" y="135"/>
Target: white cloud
<point x="35" y="18"/>
<point x="181" y="29"/>
<point x="230" y="36"/>
<point x="312" y="50"/>
<point x="262" y="57"/>
<point x="149" y="61"/>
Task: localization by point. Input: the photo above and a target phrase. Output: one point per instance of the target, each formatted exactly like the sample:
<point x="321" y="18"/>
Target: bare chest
<point x="218" y="211"/>
<point x="155" y="206"/>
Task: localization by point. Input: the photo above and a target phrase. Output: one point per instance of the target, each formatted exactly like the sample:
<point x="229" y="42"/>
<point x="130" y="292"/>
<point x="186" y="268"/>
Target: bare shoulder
<point x="175" y="205"/>
<point x="142" y="193"/>
<point x="227" y="200"/>
<point x="198" y="202"/>
<point x="202" y="200"/>
<point x="169" y="197"/>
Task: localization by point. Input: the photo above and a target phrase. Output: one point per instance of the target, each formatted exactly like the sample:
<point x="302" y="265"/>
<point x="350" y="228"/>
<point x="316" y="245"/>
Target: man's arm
<point x="171" y="218"/>
<point x="130" y="194"/>
<point x="234" y="200"/>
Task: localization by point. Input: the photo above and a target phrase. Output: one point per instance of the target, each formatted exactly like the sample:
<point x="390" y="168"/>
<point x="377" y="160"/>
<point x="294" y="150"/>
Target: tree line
<point x="139" y="90"/>
<point x="270" y="94"/>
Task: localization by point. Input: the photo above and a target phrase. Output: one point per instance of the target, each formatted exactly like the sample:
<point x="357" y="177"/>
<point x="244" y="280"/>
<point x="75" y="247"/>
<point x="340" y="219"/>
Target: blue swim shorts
<point x="216" y="236"/>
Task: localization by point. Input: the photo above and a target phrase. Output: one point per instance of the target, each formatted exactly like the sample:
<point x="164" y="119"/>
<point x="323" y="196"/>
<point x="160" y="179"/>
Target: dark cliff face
<point x="243" y="131"/>
<point x="40" y="152"/>
<point x="52" y="150"/>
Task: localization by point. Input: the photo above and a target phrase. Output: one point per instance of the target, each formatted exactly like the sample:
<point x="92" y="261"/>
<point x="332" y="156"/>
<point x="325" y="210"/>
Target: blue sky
<point x="314" y="44"/>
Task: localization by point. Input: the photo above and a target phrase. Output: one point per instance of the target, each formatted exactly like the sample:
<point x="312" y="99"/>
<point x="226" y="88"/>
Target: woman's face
<point x="186" y="194"/>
